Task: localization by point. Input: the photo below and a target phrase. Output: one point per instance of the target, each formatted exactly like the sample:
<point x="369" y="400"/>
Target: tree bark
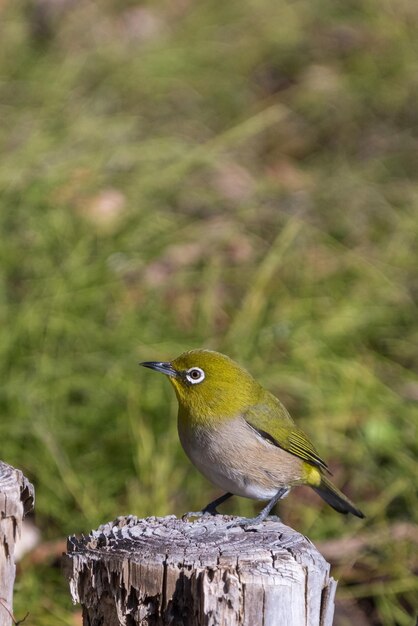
<point x="165" y="571"/>
<point x="16" y="499"/>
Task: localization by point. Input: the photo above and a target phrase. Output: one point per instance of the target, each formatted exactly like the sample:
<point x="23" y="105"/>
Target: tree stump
<point x="166" y="571"/>
<point x="16" y="499"/>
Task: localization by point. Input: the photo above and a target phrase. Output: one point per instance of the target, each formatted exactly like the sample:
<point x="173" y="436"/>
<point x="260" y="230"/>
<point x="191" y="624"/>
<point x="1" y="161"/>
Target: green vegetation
<point x="234" y="175"/>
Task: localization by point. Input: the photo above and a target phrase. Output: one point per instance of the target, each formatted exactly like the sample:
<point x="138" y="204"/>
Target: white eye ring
<point x="195" y="375"/>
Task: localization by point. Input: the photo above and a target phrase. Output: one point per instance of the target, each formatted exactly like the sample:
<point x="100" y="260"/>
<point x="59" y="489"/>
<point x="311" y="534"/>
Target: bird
<point x="241" y="437"/>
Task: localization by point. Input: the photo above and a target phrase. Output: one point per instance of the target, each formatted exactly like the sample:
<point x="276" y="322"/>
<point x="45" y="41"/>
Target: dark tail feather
<point x="336" y="499"/>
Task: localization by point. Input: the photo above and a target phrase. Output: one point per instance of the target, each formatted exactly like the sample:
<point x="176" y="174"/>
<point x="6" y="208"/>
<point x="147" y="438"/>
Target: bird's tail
<point x="335" y="498"/>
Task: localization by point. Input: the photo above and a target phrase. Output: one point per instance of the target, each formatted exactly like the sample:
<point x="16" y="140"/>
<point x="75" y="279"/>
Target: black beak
<point x="164" y="368"/>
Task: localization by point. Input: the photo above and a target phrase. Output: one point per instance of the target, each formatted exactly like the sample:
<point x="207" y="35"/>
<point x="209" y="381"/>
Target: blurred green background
<point x="236" y="175"/>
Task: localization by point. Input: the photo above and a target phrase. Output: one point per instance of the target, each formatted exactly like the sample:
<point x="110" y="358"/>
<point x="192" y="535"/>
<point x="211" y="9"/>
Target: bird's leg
<point x="210" y="509"/>
<point x="281" y="493"/>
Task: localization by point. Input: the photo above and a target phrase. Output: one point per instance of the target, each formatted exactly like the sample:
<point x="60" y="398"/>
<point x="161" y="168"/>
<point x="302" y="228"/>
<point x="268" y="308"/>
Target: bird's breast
<point x="235" y="458"/>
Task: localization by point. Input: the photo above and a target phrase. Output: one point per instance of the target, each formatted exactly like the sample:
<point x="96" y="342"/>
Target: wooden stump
<point x="16" y="499"/>
<point x="165" y="571"/>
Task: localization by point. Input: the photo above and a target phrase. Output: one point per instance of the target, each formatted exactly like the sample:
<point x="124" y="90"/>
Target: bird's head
<point x="209" y="385"/>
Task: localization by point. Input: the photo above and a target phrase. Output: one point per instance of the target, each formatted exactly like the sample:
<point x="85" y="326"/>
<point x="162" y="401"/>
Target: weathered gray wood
<point x="165" y="571"/>
<point x="16" y="499"/>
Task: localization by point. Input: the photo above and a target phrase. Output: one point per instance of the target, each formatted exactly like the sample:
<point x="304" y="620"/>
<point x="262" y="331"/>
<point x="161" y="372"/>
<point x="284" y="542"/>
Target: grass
<point x="241" y="176"/>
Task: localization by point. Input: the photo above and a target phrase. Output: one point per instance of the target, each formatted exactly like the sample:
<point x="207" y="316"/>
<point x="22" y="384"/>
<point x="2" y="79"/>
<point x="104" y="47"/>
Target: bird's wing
<point x="272" y="421"/>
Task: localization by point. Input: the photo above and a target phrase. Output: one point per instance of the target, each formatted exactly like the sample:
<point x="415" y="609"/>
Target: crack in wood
<point x="16" y="499"/>
<point x="166" y="571"/>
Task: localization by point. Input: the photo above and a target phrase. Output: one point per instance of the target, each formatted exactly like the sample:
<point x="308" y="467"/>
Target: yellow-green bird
<point x="240" y="436"/>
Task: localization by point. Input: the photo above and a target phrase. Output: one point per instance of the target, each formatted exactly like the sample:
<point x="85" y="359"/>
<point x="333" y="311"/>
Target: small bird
<point x="240" y="436"/>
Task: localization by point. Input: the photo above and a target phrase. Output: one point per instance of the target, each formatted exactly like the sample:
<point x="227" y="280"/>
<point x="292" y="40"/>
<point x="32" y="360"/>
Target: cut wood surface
<point x="166" y="571"/>
<point x="16" y="499"/>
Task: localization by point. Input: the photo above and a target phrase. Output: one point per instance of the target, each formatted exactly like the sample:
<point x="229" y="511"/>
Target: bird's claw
<point x="199" y="514"/>
<point x="242" y="522"/>
<point x="246" y="523"/>
<point x="186" y="516"/>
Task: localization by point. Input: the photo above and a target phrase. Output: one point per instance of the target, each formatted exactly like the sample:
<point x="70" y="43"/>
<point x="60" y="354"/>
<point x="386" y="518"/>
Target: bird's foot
<point x="210" y="509"/>
<point x="185" y="517"/>
<point x="207" y="512"/>
<point x="249" y="522"/>
<point x="264" y="514"/>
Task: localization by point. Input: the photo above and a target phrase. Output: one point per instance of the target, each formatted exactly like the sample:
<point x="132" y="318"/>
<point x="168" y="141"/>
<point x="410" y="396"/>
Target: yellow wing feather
<point x="272" y="421"/>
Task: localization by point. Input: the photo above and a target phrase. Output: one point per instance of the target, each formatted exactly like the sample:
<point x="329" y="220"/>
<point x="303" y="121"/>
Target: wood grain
<point x="16" y="499"/>
<point x="166" y="571"/>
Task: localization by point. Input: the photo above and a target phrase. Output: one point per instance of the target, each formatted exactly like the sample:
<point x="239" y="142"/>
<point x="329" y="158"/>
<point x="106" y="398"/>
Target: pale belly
<point x="238" y="460"/>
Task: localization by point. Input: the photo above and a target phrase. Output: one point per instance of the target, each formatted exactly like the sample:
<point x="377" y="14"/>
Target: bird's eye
<point x="195" y="375"/>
